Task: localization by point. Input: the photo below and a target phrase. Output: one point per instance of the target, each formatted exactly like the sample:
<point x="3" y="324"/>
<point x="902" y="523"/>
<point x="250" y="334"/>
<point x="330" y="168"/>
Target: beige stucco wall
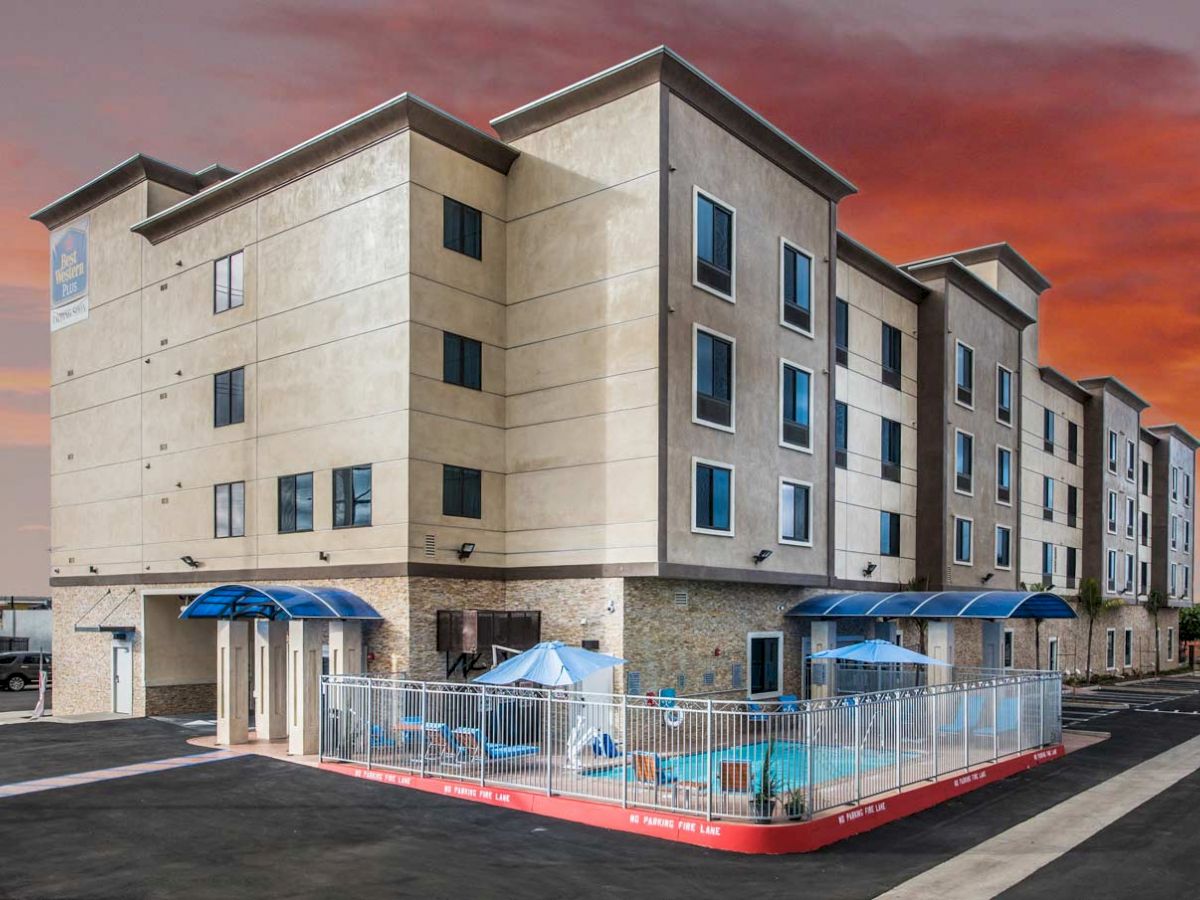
<point x="860" y="490"/>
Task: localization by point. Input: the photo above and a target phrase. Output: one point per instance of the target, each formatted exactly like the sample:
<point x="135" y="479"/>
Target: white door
<point x="122" y="674"/>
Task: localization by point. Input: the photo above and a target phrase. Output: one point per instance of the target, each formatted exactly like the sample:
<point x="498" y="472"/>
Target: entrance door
<point x="122" y="675"/>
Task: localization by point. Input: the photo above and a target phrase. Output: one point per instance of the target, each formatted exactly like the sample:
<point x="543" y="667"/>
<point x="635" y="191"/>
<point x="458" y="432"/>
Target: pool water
<point x="789" y="763"/>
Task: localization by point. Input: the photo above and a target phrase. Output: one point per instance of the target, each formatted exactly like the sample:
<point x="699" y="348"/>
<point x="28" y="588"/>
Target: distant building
<point x="26" y="623"/>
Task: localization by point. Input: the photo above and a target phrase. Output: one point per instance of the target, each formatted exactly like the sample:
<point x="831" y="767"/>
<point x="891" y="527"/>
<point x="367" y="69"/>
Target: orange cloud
<point x="24" y="381"/>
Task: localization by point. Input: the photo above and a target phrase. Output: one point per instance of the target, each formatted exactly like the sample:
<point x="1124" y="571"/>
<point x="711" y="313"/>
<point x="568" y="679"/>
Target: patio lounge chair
<point x="605" y="746"/>
<point x="789" y="703"/>
<point x="379" y="737"/>
<point x="974" y="709"/>
<point x="648" y="770"/>
<point x="757" y="713"/>
<point x="472" y="741"/>
<point x="440" y="745"/>
<point x="1006" y="719"/>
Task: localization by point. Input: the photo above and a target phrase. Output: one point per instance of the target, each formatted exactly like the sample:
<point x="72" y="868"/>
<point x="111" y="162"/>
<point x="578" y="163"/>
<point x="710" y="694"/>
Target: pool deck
<point x="723" y="834"/>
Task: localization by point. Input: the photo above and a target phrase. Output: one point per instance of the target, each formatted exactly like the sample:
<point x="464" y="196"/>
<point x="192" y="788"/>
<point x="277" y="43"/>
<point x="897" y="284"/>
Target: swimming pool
<point x="789" y="763"/>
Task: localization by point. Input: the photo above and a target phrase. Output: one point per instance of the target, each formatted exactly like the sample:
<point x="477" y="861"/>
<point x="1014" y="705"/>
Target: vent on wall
<point x="680" y="682"/>
<point x="681" y="599"/>
<point x="431" y="545"/>
<point x="710" y="678"/>
<point x="735" y="675"/>
<point x="635" y="682"/>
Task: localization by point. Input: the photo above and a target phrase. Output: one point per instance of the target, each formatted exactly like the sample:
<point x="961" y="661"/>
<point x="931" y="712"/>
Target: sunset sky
<point x="1069" y="129"/>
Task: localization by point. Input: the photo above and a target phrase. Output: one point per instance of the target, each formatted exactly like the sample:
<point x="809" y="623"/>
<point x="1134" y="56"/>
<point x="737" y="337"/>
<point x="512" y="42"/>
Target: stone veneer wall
<point x="83" y="660"/>
<point x="166" y="700"/>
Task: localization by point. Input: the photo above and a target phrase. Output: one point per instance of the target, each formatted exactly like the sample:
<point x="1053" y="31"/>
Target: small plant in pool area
<point x="762" y="804"/>
<point x="793" y="803"/>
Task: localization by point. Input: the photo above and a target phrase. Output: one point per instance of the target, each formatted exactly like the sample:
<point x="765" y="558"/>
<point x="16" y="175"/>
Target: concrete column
<point x="303" y="685"/>
<point x="345" y="647"/>
<point x="270" y="680"/>
<point x="824" y="672"/>
<point x="992" y="635"/>
<point x="939" y="643"/>
<point x="233" y="689"/>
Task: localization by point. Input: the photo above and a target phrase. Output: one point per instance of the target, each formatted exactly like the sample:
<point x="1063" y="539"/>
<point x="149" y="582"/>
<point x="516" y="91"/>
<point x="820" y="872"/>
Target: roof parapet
<point x="1061" y="382"/>
<point x="1117" y="388"/>
<point x="662" y="64"/>
<point x="960" y="276"/>
<point x="1002" y="252"/>
<point x="871" y="264"/>
<point x="1177" y="431"/>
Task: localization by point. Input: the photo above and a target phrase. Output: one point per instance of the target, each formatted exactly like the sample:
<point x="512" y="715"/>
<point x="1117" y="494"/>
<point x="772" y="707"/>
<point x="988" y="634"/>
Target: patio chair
<point x="471" y="740"/>
<point x="737" y="781"/>
<point x="648" y="770"/>
<point x="605" y="746"/>
<point x="974" y="708"/>
<point x="1006" y="719"/>
<point x="379" y="737"/>
<point x="757" y="713"/>
<point x="440" y="745"/>
<point x="789" y="703"/>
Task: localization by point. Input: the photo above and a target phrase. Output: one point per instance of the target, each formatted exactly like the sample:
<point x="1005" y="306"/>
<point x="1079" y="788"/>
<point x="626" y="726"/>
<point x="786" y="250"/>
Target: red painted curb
<point x="736" y="837"/>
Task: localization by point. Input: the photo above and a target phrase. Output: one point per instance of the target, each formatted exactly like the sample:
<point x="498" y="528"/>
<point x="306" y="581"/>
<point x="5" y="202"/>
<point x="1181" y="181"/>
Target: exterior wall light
<point x="988" y="577"/>
<point x="465" y="551"/>
<point x="189" y="562"/>
<point x="762" y="556"/>
<point x="870" y="568"/>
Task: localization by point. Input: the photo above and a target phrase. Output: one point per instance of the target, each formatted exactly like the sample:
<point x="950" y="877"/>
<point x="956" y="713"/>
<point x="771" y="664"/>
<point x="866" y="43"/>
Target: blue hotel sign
<point x="69" y="274"/>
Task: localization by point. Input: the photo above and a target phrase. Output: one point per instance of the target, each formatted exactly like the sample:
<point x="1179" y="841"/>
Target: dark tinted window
<point x="714" y="245"/>
<point x="462" y="361"/>
<point x="713" y="497"/>
<point x="889" y="534"/>
<point x="229" y="397"/>
<point x="352" y="497"/>
<point x="796" y="398"/>
<point x="842" y="331"/>
<point x="462" y="492"/>
<point x="296" y="503"/>
<point x="840" y="433"/>
<point x="229" y="501"/>
<point x="891" y="355"/>
<point x="462" y="228"/>
<point x="797" y="289"/>
<point x="714" y="379"/>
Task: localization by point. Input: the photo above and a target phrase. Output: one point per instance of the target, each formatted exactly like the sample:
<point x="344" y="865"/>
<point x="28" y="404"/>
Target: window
<point x="1047" y="498"/>
<point x="795" y="513"/>
<point x="1072" y="443"/>
<point x="1187" y="489"/>
<point x="1171" y="582"/>
<point x="1052" y="654"/>
<point x="842" y="331"/>
<point x="764" y="649"/>
<point x="964" y="375"/>
<point x="295" y="503"/>
<point x="1003" y="547"/>
<point x="963" y="552"/>
<point x="1187" y="536"/>
<point x="889" y="533"/>
<point x="1128" y="647"/>
<point x="1145" y="532"/>
<point x="1004" y="476"/>
<point x="841" y="428"/>
<point x="891" y="355"/>
<point x="352" y="497"/>
<point x="1145" y="478"/>
<point x="964" y="449"/>
<point x="1112" y="452"/>
<point x="1047" y="563"/>
<point x="1170" y="642"/>
<point x="713" y="401"/>
<point x="1004" y="408"/>
<point x="462" y="361"/>
<point x="797" y="289"/>
<point x="1174" y="532"/>
<point x="229" y="398"/>
<point x="462" y="492"/>
<point x="1110" y="649"/>
<point x="1111" y="579"/>
<point x="228" y="283"/>
<point x="1072" y="505"/>
<point x="1144" y="583"/>
<point x="1112" y="512"/>
<point x="1048" y="430"/>
<point x="1130" y="462"/>
<point x="1130" y="585"/>
<point x="795" y="399"/>
<point x="1174" y="483"/>
<point x="462" y="228"/>
<point x="1130" y="517"/>
<point x="1072" y="566"/>
<point x="1008" y="648"/>
<point x="714" y="246"/>
<point x="712" y="505"/>
<point x="229" y="503"/>
<point x="889" y="437"/>
<point x="1187" y="580"/>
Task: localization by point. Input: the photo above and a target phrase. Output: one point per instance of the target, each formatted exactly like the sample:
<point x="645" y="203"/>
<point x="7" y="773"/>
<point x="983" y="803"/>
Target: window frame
<point x="1049" y="430"/>
<point x="964" y="345"/>
<point x="463" y="470"/>
<point x="1130" y="461"/>
<point x="1127" y="649"/>
<point x="697" y="193"/>
<point x="1130" y="573"/>
<point x="1113" y="511"/>
<point x="295" y="506"/>
<point x="1052" y="654"/>
<point x="841" y="455"/>
<point x="1048" y="498"/>
<point x="352" y="502"/>
<point x="970" y="560"/>
<point x="1000" y="448"/>
<point x="1008" y="649"/>
<point x="1113" y="452"/>
<point x="957" y="489"/>
<point x="1011" y="381"/>
<point x="715" y="464"/>
<point x="228" y="259"/>
<point x="891" y="376"/>
<point x="841" y="352"/>
<point x="899" y="533"/>
<point x="808" y="487"/>
<point x="784" y="365"/>
<point x="229" y="485"/>
<point x="751" y="637"/>
<point x="784" y="246"/>
<point x="731" y="428"/>
<point x="884" y="471"/>
<point x="462" y="232"/>
<point x="1110" y="571"/>
<point x="216" y="398"/>
<point x="1048" y="545"/>
<point x="1007" y="529"/>
<point x="1130" y="518"/>
<point x="464" y="343"/>
<point x="1110" y="649"/>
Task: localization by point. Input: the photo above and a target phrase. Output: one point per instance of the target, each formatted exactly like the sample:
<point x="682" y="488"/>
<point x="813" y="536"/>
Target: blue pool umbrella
<point x="878" y="652"/>
<point x="550" y="663"/>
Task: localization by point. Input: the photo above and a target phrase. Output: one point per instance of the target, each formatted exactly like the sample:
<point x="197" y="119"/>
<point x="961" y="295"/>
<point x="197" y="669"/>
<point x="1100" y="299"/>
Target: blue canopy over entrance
<point x="278" y="601"/>
<point x="936" y="605"/>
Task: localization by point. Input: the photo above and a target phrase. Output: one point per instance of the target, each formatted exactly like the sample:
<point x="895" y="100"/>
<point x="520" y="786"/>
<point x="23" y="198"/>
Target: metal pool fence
<point x="768" y="761"/>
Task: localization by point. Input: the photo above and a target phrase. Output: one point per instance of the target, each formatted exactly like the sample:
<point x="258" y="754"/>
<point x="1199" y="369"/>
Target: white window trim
<point x="1115" y="509"/>
<point x="1172" y="581"/>
<point x="974" y="383"/>
<point x="1048" y="480"/>
<point x="1130" y="518"/>
<point x="811" y="393"/>
<point x="731" y="428"/>
<point x="812" y="284"/>
<point x="1053" y="559"/>
<point x="970" y="560"/>
<point x="1130" y="573"/>
<point x="1047" y="411"/>
<point x="1130" y="461"/>
<point x="1127" y="649"/>
<point x="1051" y="652"/>
<point x="1012" y="394"/>
<point x="750" y="637"/>
<point x="697" y="461"/>
<point x="1174" y="532"/>
<point x="1110" y="639"/>
<point x="1110" y="565"/>
<point x="731" y="297"/>
<point x="1113" y="462"/>
<point x="996" y="539"/>
<point x="1174" y="482"/>
<point x="971" y="435"/>
<point x="1011" y="488"/>
<point x="1009" y="640"/>
<point x="795" y="482"/>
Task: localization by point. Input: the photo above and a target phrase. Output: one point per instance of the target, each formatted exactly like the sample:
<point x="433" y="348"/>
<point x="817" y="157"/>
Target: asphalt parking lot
<point x="249" y="827"/>
<point x="15" y="701"/>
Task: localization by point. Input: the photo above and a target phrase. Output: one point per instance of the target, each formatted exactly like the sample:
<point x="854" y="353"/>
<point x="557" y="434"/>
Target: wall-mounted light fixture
<point x="870" y="568"/>
<point x="988" y="577"/>
<point x="190" y="562"/>
<point x="762" y="556"/>
<point x="93" y="570"/>
<point x="465" y="550"/>
<point x="323" y="556"/>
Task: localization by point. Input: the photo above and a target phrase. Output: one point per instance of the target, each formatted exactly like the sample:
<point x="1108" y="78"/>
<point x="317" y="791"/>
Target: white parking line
<point x="1013" y="855"/>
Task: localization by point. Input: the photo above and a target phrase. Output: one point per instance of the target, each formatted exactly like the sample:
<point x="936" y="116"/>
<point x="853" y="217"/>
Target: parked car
<point x="20" y="669"/>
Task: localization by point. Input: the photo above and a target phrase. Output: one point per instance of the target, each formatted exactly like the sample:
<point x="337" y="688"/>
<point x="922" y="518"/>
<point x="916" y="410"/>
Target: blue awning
<point x="936" y="605"/>
<point x="278" y="601"/>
